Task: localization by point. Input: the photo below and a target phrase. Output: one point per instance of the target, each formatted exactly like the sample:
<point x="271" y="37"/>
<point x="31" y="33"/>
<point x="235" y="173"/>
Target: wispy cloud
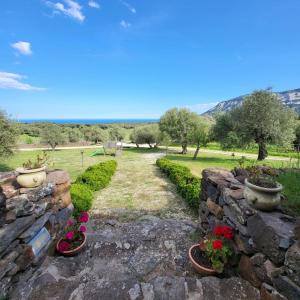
<point x="130" y="7"/>
<point x="69" y="8"/>
<point x="94" y="4"/>
<point x="22" y="48"/>
<point x="202" y="107"/>
<point x="13" y="81"/>
<point x="125" y="24"/>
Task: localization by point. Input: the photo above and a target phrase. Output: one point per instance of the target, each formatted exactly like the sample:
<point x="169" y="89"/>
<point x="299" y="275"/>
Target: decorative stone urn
<point x="30" y="178"/>
<point x="262" y="198"/>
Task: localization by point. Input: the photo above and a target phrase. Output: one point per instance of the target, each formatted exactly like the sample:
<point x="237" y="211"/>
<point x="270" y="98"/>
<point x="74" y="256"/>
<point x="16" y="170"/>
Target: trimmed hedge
<point x="93" y="179"/>
<point x="187" y="184"/>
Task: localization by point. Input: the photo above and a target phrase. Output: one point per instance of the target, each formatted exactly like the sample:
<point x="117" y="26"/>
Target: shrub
<point x="187" y="184"/>
<point x="94" y="178"/>
<point x="82" y="197"/>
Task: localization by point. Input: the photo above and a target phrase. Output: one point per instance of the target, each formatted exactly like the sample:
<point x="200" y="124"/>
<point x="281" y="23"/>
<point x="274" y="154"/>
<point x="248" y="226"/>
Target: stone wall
<point x="30" y="220"/>
<point x="265" y="242"/>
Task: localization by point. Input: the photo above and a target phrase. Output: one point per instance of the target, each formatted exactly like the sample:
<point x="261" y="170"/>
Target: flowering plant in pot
<point x="74" y="239"/>
<point x="211" y="255"/>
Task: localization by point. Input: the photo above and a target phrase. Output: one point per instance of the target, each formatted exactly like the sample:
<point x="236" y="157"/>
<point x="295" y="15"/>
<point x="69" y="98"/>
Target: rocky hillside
<point x="289" y="98"/>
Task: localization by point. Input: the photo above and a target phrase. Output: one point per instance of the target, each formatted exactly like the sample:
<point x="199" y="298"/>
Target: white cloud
<point x="130" y="7"/>
<point x="125" y="24"/>
<point x="94" y="4"/>
<point x="69" y="8"/>
<point x="22" y="47"/>
<point x="202" y="107"/>
<point x="13" y="81"/>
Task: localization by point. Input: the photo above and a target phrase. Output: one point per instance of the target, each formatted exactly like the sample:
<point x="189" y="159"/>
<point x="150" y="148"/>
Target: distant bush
<point x="82" y="197"/>
<point x="94" y="178"/>
<point x="187" y="184"/>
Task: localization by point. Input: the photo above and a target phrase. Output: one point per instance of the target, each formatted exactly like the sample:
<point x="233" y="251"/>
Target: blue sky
<point x="137" y="58"/>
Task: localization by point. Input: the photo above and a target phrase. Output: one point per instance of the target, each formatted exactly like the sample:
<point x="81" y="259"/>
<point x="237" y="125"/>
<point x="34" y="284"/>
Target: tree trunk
<point x="184" y="148"/>
<point x="137" y="145"/>
<point x="196" y="152"/>
<point x="150" y="145"/>
<point x="262" y="150"/>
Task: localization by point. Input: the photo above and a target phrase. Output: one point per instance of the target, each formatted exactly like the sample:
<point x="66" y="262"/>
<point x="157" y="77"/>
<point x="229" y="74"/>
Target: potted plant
<point x="211" y="255"/>
<point x="74" y="239"/>
<point x="33" y="173"/>
<point x="262" y="192"/>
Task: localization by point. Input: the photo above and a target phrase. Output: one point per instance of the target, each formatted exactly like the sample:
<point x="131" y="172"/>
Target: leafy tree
<point x="53" y="135"/>
<point x="262" y="119"/>
<point x="199" y="135"/>
<point x="8" y="135"/>
<point x="117" y="133"/>
<point x="95" y="134"/>
<point x="297" y="141"/>
<point x="74" y="134"/>
<point x="148" y="134"/>
<point x="177" y="123"/>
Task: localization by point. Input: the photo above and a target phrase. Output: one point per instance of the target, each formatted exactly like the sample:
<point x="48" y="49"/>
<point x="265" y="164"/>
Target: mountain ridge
<point x="290" y="98"/>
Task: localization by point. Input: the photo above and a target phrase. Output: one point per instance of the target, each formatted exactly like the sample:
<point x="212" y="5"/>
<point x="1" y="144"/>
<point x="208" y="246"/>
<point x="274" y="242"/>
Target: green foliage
<point x="8" y="135"/>
<point x="291" y="190"/>
<point x="73" y="134"/>
<point x="187" y="184"/>
<point x="94" y="178"/>
<point x="53" y="135"/>
<point x="82" y="197"/>
<point x="262" y="119"/>
<point x="95" y="134"/>
<point x="39" y="161"/>
<point x="148" y="134"/>
<point x="117" y="133"/>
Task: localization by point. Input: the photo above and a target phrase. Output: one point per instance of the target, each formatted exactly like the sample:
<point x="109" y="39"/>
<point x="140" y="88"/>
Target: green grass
<point x="209" y="160"/>
<point x="27" y="139"/>
<point x="291" y="189"/>
<point x="69" y="160"/>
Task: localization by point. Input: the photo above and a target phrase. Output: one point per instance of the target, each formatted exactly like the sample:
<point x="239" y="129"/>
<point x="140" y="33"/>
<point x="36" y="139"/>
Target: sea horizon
<point x="90" y="121"/>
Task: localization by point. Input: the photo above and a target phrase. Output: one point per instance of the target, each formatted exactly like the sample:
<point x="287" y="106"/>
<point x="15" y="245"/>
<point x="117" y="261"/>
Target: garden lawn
<point x="210" y="160"/>
<point x="69" y="160"/>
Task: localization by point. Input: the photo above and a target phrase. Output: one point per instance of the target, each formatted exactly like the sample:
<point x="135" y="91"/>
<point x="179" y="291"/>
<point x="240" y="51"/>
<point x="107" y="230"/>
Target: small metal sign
<point x="40" y="241"/>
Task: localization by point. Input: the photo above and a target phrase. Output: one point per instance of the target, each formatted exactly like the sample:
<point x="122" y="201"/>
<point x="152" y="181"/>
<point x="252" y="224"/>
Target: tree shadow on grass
<point x="5" y="168"/>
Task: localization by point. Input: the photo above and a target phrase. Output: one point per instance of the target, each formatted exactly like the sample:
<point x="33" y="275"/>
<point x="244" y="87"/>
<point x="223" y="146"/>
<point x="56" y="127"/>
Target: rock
<point x="267" y="292"/>
<point x="27" y="235"/>
<point x="10" y="232"/>
<point x="235" y="216"/>
<point x="292" y="258"/>
<point x="9" y="189"/>
<point x="246" y="209"/>
<point x="26" y="258"/>
<point x="14" y="246"/>
<point x="7" y="177"/>
<point x="63" y="200"/>
<point x="5" y="284"/>
<point x="135" y="292"/>
<point x="61" y="188"/>
<point x="244" y="244"/>
<point x="247" y="271"/>
<point x="28" y="190"/>
<point x="214" y="208"/>
<point x="10" y="217"/>
<point x="41" y="192"/>
<point x="258" y="259"/>
<point x="6" y="263"/>
<point x="58" y="177"/>
<point x="20" y="205"/>
<point x="63" y="215"/>
<point x="237" y="194"/>
<point x="287" y="287"/>
<point x="169" y="288"/>
<point x="148" y="293"/>
<point x="270" y="233"/>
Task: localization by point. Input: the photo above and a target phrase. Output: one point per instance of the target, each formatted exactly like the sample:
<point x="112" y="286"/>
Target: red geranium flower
<point x="218" y="230"/>
<point x="64" y="246"/>
<point x="227" y="232"/>
<point x="70" y="235"/>
<point x="217" y="244"/>
<point x="84" y="217"/>
<point x="70" y="222"/>
<point x="82" y="228"/>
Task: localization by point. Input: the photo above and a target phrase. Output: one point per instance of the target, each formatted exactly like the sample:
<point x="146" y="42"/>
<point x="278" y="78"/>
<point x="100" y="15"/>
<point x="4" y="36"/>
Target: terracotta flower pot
<point x="74" y="251"/>
<point x="198" y="267"/>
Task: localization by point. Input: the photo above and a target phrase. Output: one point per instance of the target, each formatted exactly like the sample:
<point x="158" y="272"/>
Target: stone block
<point x="20" y="205"/>
<point x="58" y="177"/>
<point x="63" y="215"/>
<point x="214" y="208"/>
<point x="10" y="232"/>
<point x="244" y="244"/>
<point x="26" y="258"/>
<point x="7" y="177"/>
<point x="292" y="258"/>
<point x="61" y="188"/>
<point x="9" y="189"/>
<point x="287" y="287"/>
<point x="6" y="263"/>
<point x="10" y="216"/>
<point x="258" y="259"/>
<point x="247" y="271"/>
<point x="267" y="292"/>
<point x="63" y="200"/>
<point x="272" y="234"/>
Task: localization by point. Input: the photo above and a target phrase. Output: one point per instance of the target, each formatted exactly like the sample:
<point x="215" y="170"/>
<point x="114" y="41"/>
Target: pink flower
<point x="70" y="235"/>
<point x="63" y="246"/>
<point x="70" y="222"/>
<point x="82" y="228"/>
<point x="84" y="217"/>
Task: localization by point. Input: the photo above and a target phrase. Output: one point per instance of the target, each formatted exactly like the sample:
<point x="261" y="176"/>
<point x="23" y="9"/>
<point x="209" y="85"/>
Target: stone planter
<point x="198" y="266"/>
<point x="31" y="178"/>
<point x="261" y="198"/>
<point x="74" y="251"/>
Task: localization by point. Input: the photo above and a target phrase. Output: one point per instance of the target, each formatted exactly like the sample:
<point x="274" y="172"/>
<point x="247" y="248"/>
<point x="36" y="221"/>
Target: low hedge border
<point x="94" y="178"/>
<point x="187" y="184"/>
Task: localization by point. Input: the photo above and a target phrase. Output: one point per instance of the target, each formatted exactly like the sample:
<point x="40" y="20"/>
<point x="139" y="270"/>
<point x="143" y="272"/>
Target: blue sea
<point x="89" y="121"/>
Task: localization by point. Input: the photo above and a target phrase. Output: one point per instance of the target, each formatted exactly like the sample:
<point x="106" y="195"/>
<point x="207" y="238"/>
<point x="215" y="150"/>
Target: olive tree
<point x="148" y="134"/>
<point x="199" y="135"/>
<point x="117" y="133"/>
<point x="262" y="118"/>
<point x="8" y="135"/>
<point x="53" y="135"/>
<point x="178" y="123"/>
